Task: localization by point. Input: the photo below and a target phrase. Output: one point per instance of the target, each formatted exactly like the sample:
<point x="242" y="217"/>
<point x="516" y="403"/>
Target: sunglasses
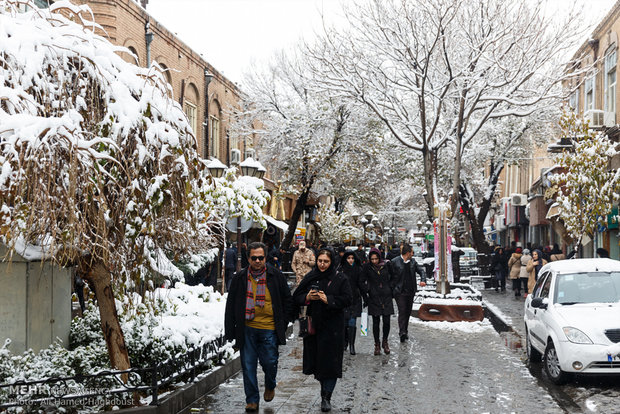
<point x="255" y="258"/>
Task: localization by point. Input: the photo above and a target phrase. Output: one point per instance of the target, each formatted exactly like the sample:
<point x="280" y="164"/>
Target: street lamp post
<point x="363" y="222"/>
<point x="251" y="168"/>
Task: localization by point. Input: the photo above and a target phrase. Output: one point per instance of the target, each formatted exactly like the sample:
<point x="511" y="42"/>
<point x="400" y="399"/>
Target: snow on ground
<point x="507" y="320"/>
<point x="467" y="327"/>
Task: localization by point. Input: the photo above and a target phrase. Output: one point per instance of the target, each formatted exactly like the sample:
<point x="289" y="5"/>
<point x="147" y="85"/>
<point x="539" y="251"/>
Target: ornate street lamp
<point x="369" y="215"/>
<point x="216" y="167"/>
<point x="249" y="167"/>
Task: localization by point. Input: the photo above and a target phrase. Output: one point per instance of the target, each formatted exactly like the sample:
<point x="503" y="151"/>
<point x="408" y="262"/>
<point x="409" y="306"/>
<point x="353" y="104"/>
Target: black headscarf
<point x="347" y="268"/>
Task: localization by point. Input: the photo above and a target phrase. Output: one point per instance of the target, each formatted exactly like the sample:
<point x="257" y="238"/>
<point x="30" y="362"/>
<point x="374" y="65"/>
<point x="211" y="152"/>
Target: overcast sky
<point x="232" y="35"/>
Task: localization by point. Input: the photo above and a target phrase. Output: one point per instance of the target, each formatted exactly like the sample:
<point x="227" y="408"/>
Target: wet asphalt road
<point x="585" y="394"/>
<point x="437" y="371"/>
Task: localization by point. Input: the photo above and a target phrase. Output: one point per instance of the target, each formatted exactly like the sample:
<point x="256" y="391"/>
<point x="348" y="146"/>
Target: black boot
<point x="326" y="401"/>
<point x="352" y="330"/>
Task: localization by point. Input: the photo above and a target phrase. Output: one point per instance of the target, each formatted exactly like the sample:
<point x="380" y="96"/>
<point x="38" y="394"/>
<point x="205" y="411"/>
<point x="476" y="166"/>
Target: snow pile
<point x="166" y="324"/>
<point x="467" y="327"/>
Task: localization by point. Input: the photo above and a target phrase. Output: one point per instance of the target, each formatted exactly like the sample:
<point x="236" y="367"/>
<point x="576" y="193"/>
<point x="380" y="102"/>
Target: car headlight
<point x="576" y="336"/>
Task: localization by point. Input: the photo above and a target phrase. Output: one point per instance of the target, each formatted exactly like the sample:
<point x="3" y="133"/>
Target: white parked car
<point x="572" y="318"/>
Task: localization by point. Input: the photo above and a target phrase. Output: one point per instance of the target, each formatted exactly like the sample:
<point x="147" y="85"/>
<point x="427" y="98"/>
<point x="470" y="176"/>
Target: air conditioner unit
<point x="250" y="153"/>
<point x="595" y="118"/>
<point x="518" y="199"/>
<point x="235" y="156"/>
<point x="609" y="119"/>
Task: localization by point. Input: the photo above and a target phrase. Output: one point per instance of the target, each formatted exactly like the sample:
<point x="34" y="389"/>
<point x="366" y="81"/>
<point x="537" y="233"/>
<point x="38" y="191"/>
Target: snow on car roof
<point x="583" y="265"/>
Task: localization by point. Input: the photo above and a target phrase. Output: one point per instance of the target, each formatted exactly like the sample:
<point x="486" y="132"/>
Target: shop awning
<point x="554" y="211"/>
<point x="277" y="223"/>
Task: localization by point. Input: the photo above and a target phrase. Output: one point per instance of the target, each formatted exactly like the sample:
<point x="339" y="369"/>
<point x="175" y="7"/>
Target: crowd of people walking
<point x="333" y="289"/>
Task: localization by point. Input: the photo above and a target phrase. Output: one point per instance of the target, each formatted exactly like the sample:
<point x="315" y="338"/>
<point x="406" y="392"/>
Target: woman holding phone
<point x="326" y="293"/>
<point x="533" y="268"/>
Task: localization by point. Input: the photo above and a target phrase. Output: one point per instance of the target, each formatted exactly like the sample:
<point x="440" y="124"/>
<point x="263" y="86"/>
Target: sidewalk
<point x="444" y="368"/>
<point x="506" y="307"/>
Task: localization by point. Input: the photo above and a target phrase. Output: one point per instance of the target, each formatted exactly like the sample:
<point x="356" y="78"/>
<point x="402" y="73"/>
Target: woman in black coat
<point x="326" y="293"/>
<point x="377" y="282"/>
<point x="350" y="266"/>
<point x="499" y="265"/>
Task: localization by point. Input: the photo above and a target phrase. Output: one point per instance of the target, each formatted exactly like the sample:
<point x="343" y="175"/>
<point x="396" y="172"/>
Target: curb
<point x="184" y="397"/>
<point x="180" y="400"/>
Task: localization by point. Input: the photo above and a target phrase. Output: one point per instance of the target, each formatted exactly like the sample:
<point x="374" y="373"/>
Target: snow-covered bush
<point x="173" y="321"/>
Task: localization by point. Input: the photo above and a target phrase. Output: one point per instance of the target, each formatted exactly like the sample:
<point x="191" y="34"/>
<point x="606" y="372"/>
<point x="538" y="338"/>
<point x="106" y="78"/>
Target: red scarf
<point x="261" y="285"/>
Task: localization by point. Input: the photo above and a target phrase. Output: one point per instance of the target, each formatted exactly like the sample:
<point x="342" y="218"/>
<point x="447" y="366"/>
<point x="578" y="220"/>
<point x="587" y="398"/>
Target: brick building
<point x="204" y="93"/>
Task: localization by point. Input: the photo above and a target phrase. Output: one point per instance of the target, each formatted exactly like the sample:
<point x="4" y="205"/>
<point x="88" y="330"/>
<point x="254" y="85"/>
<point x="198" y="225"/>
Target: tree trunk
<point x="300" y="204"/>
<point x="429" y="175"/>
<point x="99" y="279"/>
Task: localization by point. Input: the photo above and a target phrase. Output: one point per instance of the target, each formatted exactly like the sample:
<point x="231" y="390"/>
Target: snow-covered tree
<point x="307" y="139"/>
<point x="99" y="166"/>
<point x="436" y="72"/>
<point x="335" y="226"/>
<point x="587" y="189"/>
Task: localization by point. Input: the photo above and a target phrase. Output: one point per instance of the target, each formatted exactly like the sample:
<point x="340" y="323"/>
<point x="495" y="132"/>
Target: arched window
<point x="190" y="105"/>
<point x="215" y="132"/>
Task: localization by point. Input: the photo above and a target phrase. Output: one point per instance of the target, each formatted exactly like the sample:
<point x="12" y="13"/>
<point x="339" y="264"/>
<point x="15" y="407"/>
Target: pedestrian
<point x="361" y="254"/>
<point x="244" y="255"/>
<point x="394" y="252"/>
<point x="514" y="266"/>
<point x="403" y="270"/>
<point x="340" y="257"/>
<point x="274" y="257"/>
<point x="230" y="264"/>
<point x="603" y="253"/>
<point x="303" y="261"/>
<point x="533" y="268"/>
<point x="523" y="273"/>
<point x="499" y="265"/>
<point x="352" y="269"/>
<point x="378" y="283"/>
<point x="326" y="293"/>
<point x="456" y="262"/>
<point x="556" y="253"/>
<point x="258" y="310"/>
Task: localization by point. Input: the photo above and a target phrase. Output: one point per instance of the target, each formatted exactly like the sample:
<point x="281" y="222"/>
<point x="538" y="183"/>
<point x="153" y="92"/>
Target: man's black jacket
<point x="281" y="302"/>
<point x="399" y="272"/>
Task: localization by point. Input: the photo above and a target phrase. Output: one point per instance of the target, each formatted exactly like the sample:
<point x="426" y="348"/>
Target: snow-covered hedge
<point x="170" y="322"/>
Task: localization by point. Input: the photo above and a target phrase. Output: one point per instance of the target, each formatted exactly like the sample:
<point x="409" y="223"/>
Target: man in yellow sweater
<point x="258" y="309"/>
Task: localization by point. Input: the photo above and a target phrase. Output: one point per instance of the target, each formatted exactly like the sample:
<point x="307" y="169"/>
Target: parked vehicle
<point x="572" y="318"/>
<point x="468" y="262"/>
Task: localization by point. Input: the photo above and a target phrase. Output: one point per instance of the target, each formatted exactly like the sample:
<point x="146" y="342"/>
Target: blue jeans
<point x="260" y="345"/>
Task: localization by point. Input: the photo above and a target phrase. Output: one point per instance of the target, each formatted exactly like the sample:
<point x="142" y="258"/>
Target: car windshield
<point x="591" y="287"/>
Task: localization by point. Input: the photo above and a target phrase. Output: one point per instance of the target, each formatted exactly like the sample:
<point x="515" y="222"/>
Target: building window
<point x="610" y="81"/>
<point x="589" y="93"/>
<point x="573" y="101"/>
<point x="214" y="147"/>
<point x="191" y="112"/>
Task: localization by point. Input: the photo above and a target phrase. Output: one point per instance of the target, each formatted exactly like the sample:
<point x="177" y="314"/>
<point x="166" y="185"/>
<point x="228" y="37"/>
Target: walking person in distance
<point x="405" y="285"/>
<point x="378" y="292"/>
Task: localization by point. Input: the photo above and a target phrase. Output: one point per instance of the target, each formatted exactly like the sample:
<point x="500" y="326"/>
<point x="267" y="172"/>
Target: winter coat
<point x="322" y="355"/>
<point x="514" y="264"/>
<point x="281" y="302"/>
<point x="303" y="262"/>
<point x="532" y="275"/>
<point x="354" y="276"/>
<point x="378" y="290"/>
<point x="558" y="256"/>
<point x="398" y="267"/>
<point x="361" y="256"/>
<point x="523" y="273"/>
<point x="230" y="261"/>
<point x="499" y="263"/>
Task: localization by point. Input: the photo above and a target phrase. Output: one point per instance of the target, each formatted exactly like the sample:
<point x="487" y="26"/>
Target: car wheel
<point x="552" y="366"/>
<point x="532" y="353"/>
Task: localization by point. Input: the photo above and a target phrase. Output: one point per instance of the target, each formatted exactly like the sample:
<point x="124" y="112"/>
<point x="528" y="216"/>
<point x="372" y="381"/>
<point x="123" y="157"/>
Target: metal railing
<point x="112" y="387"/>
